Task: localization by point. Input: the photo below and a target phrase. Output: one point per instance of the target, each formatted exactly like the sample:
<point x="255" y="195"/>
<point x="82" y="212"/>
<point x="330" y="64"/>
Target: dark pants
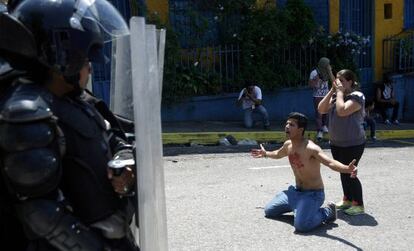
<point x="351" y="187"/>
<point x="382" y="107"/>
<point x="370" y="122"/>
<point x="321" y="119"/>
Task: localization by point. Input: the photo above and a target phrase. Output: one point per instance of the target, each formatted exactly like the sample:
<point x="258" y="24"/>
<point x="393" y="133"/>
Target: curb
<point x="212" y="138"/>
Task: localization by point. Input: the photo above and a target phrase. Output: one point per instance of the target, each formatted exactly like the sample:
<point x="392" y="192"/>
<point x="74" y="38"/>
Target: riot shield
<point x="121" y="79"/>
<point x="136" y="94"/>
<point x="146" y="92"/>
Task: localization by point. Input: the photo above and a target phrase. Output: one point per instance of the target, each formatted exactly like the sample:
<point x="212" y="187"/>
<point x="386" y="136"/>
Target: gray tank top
<point x="349" y="130"/>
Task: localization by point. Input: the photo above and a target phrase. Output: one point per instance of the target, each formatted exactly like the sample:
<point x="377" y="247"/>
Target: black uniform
<point x="54" y="150"/>
<point x="51" y="147"/>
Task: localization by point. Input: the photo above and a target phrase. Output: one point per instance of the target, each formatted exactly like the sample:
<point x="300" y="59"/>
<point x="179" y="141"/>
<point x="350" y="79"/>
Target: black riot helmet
<point x="61" y="35"/>
<point x="11" y="4"/>
<point x="3" y="7"/>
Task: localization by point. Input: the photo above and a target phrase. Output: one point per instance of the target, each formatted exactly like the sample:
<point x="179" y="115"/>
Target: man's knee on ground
<point x="269" y="212"/>
<point x="303" y="225"/>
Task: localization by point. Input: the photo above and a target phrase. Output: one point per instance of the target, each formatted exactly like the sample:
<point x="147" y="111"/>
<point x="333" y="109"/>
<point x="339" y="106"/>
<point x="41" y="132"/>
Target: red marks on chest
<point x="294" y="160"/>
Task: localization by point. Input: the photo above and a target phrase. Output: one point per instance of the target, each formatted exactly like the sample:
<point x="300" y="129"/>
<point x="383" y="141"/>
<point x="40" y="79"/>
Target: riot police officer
<point x="54" y="144"/>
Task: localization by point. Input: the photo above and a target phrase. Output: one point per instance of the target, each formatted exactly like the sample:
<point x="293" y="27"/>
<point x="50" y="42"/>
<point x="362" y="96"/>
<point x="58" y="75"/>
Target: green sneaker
<point x="355" y="210"/>
<point x="345" y="204"/>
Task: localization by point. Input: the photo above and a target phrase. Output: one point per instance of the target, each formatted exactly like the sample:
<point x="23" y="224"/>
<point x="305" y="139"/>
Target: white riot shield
<point x="121" y="78"/>
<point x="146" y="92"/>
<point x="161" y="35"/>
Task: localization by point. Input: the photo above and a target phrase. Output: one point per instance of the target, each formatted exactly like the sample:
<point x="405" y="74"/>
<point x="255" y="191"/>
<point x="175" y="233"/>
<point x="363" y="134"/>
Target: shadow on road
<point x="286" y="218"/>
<point x="358" y="220"/>
<point x="322" y="231"/>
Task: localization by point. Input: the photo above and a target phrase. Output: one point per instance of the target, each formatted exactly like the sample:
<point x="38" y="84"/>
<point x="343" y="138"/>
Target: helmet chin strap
<point x="74" y="81"/>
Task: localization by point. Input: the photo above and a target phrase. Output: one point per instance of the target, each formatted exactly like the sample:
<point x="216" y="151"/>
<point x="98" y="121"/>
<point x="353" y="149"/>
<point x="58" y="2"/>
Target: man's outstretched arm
<point x="277" y="154"/>
<point x="334" y="164"/>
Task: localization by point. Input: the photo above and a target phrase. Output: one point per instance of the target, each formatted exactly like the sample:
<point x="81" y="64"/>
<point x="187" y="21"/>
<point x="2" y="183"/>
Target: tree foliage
<point x="264" y="35"/>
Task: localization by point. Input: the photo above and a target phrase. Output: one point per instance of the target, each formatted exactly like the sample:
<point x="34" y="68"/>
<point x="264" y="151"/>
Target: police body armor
<point x="54" y="150"/>
<point x="51" y="146"/>
<point x="85" y="162"/>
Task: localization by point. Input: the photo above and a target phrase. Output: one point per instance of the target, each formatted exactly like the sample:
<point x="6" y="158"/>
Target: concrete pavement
<point x="215" y="195"/>
<point x="215" y="201"/>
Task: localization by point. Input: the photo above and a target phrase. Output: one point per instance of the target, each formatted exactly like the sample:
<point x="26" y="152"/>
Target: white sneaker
<point x="319" y="135"/>
<point x="324" y="129"/>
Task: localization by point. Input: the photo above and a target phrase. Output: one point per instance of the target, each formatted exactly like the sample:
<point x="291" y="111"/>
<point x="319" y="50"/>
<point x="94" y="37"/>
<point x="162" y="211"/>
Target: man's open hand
<point x="259" y="153"/>
<point x="353" y="169"/>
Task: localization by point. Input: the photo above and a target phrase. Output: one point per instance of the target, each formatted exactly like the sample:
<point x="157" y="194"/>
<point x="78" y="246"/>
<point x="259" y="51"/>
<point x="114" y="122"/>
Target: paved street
<point x="215" y="197"/>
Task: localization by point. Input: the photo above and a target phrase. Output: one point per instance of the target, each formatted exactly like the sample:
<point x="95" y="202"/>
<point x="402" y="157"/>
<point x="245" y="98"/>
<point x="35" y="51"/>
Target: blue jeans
<point x="305" y="204"/>
<point x="248" y="116"/>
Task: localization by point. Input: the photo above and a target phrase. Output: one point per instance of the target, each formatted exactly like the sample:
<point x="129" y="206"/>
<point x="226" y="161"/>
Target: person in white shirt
<point x="250" y="99"/>
<point x="318" y="80"/>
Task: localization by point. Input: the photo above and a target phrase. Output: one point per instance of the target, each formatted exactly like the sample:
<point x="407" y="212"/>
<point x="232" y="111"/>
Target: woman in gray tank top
<point x="345" y="106"/>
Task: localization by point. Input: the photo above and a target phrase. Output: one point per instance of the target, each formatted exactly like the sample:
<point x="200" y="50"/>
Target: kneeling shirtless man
<point x="305" y="158"/>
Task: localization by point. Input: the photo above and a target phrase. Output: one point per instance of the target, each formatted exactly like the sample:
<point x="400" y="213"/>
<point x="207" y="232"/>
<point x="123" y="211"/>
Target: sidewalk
<point x="210" y="132"/>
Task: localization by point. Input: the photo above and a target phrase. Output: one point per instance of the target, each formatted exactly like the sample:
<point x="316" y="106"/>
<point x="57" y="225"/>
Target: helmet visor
<point x="3" y="7"/>
<point x="109" y="20"/>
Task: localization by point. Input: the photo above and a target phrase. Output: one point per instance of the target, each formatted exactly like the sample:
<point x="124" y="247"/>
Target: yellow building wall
<point x="160" y="7"/>
<point x="384" y="28"/>
<point x="333" y="16"/>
